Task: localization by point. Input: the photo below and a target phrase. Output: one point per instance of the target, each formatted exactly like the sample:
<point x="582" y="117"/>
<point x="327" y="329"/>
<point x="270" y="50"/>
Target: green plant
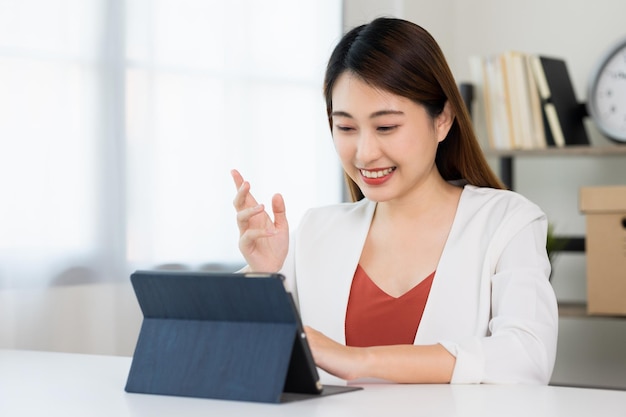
<point x="554" y="245"/>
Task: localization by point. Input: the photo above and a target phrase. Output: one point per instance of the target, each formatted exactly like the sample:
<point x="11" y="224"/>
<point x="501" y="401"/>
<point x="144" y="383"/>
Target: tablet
<point x="222" y="335"/>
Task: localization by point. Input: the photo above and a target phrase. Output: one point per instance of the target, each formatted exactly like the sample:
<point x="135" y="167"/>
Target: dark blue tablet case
<point x="221" y="335"/>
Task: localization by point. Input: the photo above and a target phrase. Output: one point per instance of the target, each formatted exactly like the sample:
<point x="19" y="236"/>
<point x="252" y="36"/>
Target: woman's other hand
<point x="333" y="357"/>
<point x="263" y="242"/>
<point x="411" y="364"/>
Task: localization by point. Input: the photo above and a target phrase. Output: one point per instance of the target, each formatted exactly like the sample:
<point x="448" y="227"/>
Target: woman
<point x="434" y="274"/>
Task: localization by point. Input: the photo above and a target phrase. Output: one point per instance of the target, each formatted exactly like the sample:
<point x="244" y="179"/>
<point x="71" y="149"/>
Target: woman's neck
<point x="429" y="197"/>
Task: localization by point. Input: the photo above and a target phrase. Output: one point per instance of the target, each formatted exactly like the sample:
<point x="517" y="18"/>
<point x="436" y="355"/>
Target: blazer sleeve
<point x="521" y="343"/>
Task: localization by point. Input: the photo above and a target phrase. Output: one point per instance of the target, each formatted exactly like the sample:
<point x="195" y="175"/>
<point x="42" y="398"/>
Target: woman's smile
<point x="376" y="176"/>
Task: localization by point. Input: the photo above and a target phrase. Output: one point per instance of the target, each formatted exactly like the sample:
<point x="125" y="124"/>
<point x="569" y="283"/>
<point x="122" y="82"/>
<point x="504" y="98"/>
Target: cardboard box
<point x="605" y="245"/>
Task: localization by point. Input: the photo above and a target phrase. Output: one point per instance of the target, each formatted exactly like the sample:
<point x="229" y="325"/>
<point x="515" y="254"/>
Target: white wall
<point x="426" y="13"/>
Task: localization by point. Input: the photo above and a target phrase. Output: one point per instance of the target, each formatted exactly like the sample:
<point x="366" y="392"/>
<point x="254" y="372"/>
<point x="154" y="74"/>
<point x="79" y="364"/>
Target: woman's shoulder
<point x="498" y="201"/>
<point x="487" y="195"/>
<point x="338" y="214"/>
<point x="341" y="208"/>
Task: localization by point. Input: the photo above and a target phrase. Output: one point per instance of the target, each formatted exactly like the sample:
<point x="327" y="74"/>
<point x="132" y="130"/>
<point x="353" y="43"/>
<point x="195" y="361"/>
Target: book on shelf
<point x="559" y="101"/>
<point x="528" y="100"/>
<point x="495" y="102"/>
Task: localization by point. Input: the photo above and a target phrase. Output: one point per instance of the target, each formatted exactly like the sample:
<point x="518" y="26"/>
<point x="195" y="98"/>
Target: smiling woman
<point x="434" y="273"/>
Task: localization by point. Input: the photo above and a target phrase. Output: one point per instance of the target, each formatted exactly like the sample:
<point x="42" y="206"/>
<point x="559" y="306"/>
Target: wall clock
<point x="606" y="99"/>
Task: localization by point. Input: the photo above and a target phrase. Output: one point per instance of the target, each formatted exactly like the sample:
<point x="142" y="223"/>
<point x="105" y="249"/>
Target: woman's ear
<point x="443" y="122"/>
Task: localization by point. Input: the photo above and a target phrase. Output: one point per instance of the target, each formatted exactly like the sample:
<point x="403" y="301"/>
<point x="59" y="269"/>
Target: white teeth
<point x="376" y="174"/>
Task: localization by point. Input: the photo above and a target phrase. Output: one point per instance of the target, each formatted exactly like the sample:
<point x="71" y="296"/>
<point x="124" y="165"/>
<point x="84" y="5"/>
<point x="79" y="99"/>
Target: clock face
<point x="607" y="98"/>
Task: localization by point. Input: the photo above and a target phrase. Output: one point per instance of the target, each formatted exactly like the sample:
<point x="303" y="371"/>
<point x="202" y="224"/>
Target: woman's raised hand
<point x="263" y="243"/>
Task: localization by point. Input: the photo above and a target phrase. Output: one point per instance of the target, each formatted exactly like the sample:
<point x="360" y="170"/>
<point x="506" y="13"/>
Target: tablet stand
<point x="231" y="338"/>
<point x="224" y="360"/>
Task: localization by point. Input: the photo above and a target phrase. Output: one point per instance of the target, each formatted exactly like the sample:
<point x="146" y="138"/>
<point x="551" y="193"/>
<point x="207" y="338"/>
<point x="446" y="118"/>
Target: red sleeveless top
<point x="374" y="318"/>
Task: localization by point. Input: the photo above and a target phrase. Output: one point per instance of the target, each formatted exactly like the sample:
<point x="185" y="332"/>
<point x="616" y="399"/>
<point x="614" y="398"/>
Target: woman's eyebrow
<point x="379" y="113"/>
<point x="341" y="114"/>
<point x="386" y="113"/>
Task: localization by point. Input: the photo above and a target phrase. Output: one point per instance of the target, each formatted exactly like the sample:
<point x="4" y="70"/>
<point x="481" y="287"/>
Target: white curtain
<point x="120" y="121"/>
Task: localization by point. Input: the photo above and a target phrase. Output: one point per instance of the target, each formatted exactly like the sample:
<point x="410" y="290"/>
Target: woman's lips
<point x="376" y="176"/>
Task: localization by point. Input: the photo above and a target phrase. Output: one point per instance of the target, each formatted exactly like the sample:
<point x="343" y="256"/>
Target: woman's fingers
<point x="243" y="198"/>
<point x="278" y="208"/>
<point x="250" y="237"/>
<point x="236" y="177"/>
<point x="244" y="215"/>
<point x="247" y="207"/>
<point x="243" y="191"/>
<point x="262" y="241"/>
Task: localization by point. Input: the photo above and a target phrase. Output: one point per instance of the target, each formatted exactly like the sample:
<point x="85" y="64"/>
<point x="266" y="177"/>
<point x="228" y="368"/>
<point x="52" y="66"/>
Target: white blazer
<point x="491" y="303"/>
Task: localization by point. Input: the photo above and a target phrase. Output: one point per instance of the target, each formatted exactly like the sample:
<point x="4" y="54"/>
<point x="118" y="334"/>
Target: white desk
<point x="62" y="384"/>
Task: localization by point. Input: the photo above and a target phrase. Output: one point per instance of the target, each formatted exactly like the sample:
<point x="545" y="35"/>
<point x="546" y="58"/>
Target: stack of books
<point x="529" y="101"/>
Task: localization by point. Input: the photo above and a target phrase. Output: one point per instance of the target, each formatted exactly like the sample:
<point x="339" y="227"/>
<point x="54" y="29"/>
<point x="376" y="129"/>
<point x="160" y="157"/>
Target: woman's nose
<point x="367" y="147"/>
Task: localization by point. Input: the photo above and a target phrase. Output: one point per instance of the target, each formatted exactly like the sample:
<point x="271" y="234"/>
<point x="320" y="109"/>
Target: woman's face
<point x="387" y="143"/>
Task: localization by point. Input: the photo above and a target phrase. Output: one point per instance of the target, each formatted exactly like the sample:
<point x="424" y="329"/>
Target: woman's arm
<point x="519" y="346"/>
<point x="399" y="363"/>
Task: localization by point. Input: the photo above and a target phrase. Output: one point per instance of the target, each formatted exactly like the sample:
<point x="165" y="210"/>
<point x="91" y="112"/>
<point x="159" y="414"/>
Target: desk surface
<point x="63" y="384"/>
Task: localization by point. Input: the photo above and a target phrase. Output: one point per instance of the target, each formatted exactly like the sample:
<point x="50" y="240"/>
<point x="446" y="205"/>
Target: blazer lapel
<point x="328" y="251"/>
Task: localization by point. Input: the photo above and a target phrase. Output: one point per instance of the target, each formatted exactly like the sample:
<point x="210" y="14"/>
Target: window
<point x="120" y="122"/>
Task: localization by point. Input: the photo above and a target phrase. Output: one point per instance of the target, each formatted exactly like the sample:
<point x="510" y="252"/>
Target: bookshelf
<point x="571" y="150"/>
<point x="507" y="169"/>
<point x="507" y="156"/>
<point x="531" y="110"/>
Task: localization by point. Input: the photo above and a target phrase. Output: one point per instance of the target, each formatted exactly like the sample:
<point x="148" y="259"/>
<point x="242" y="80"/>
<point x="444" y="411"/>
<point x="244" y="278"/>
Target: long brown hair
<point x="404" y="59"/>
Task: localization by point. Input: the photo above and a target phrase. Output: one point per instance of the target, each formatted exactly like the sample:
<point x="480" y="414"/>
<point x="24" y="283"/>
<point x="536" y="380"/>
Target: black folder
<point x="558" y="92"/>
<point x="221" y="335"/>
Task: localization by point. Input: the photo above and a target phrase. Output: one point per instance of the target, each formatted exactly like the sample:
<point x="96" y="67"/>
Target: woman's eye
<point x="386" y="129"/>
<point x="344" y="128"/>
